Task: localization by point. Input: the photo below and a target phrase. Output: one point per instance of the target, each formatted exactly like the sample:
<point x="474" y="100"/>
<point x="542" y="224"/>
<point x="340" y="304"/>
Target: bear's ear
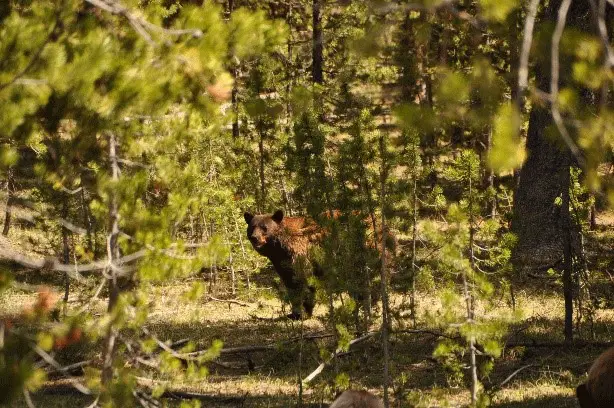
<point x="584" y="397"/>
<point x="248" y="217"/>
<point x="278" y="216"/>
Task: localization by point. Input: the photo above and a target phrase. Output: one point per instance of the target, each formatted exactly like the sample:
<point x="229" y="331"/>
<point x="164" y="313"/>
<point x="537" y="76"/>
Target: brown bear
<point x="598" y="391"/>
<point x="357" y="399"/>
<point x="286" y="242"/>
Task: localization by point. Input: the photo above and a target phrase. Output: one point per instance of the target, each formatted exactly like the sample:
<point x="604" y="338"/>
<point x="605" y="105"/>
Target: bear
<point x="598" y="390"/>
<point x="357" y="399"/>
<point x="287" y="241"/>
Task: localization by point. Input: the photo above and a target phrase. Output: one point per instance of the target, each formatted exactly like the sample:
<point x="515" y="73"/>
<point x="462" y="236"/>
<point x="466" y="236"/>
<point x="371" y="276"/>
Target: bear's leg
<point x="584" y="397"/>
<point x="310" y="300"/>
<point x="296" y="296"/>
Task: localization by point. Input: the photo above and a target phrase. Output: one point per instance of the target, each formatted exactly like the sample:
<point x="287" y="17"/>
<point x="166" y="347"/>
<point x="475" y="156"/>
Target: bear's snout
<point x="257" y="241"/>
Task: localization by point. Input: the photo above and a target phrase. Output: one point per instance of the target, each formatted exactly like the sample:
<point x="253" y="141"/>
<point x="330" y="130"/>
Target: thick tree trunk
<point x="544" y="177"/>
<point x="537" y="214"/>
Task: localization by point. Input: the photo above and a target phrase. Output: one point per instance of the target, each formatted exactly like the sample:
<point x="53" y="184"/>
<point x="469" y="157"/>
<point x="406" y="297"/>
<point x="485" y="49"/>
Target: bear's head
<point x="263" y="229"/>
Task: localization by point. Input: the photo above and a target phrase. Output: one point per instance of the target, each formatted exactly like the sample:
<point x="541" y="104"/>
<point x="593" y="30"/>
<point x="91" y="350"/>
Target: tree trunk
<point x="384" y="280"/>
<point x="10" y="187"/>
<point x="317" y="44"/>
<point x="262" y="192"/>
<point x="65" y="253"/>
<point x="567" y="228"/>
<point x="544" y="177"/>
<point x="111" y="335"/>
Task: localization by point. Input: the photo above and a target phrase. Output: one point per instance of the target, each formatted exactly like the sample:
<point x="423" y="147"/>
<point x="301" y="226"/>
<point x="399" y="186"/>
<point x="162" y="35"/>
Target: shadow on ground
<point x="541" y="402"/>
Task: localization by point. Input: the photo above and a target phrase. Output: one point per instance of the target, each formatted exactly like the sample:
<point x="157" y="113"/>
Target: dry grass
<point x="272" y="381"/>
<point x="269" y="378"/>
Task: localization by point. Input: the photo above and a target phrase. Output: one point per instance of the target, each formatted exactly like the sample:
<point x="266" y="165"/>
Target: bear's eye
<point x="263" y="228"/>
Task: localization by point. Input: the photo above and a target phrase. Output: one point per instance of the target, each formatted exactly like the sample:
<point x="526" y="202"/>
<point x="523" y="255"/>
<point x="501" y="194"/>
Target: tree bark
<point x="544" y="177"/>
<point x="10" y="187"/>
<point x="113" y="248"/>
<point x="384" y="280"/>
<point x="65" y="253"/>
<point x="317" y="44"/>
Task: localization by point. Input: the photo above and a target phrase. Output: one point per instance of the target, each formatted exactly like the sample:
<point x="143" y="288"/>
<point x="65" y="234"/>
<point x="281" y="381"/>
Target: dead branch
<point x="599" y="14"/>
<point x="523" y="68"/>
<point x="554" y="83"/>
<point x="574" y="345"/>
<point x="230" y="301"/>
<point x="49" y="360"/>
<point x="514" y="374"/>
<point x="139" y="24"/>
<point x="339" y="351"/>
<point x="69" y="368"/>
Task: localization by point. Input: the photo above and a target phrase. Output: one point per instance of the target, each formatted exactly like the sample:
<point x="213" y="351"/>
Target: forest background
<point x="134" y="134"/>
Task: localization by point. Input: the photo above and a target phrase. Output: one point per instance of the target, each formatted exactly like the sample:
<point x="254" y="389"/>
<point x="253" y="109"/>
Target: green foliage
<point x="507" y="152"/>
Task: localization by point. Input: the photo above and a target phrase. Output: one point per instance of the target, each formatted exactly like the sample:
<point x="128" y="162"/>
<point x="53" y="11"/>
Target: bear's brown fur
<point x="286" y="242"/>
<point x="598" y="391"/>
<point x="357" y="399"/>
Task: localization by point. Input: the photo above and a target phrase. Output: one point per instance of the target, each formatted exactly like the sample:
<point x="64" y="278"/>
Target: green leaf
<point x="497" y="10"/>
<point x="507" y="152"/>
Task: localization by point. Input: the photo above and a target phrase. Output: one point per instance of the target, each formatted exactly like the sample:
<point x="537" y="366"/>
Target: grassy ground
<point x="269" y="378"/>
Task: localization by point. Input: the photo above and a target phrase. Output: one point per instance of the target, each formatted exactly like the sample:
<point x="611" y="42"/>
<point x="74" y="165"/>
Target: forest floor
<point x="268" y="376"/>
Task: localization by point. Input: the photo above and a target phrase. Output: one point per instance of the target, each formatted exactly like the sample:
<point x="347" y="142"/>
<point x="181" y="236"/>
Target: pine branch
<point x="139" y="24"/>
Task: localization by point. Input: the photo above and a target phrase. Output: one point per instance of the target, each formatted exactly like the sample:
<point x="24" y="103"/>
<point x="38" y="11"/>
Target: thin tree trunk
<point x="491" y="182"/>
<point x="317" y="44"/>
<point x="113" y="254"/>
<point x="414" y="236"/>
<point x="87" y="219"/>
<point x="384" y="280"/>
<point x="262" y="200"/>
<point x="567" y="262"/>
<point x="247" y="274"/>
<point x="234" y="99"/>
<point x="469" y="297"/>
<point x="10" y="187"/>
<point x="65" y="254"/>
<point x="299" y="402"/>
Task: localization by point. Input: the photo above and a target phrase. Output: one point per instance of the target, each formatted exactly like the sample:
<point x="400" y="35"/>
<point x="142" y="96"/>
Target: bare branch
<point x="523" y="68"/>
<point x="599" y="14"/>
<point x="28" y="398"/>
<point x="139" y="24"/>
<point x="35" y="57"/>
<point x="554" y="82"/>
<point x="339" y="351"/>
<point x="54" y="265"/>
<point x="45" y="356"/>
<point x="230" y="301"/>
<point x="15" y="202"/>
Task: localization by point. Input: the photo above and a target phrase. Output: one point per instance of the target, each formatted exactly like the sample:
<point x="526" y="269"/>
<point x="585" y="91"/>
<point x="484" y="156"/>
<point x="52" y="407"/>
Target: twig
<point x="512" y="375"/>
<point x="599" y="13"/>
<point x="138" y="23"/>
<point x="523" y="68"/>
<point x="36" y="55"/>
<point x="320" y="368"/>
<point x="28" y="398"/>
<point x="554" y="82"/>
<point x="79" y="387"/>
<point x="232" y="301"/>
<point x="70" y="367"/>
